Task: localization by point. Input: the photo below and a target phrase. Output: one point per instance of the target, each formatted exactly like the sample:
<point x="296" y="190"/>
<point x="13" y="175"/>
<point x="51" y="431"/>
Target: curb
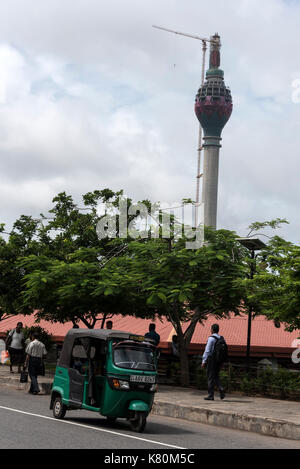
<point x="250" y="423"/>
<point x="45" y="387"/>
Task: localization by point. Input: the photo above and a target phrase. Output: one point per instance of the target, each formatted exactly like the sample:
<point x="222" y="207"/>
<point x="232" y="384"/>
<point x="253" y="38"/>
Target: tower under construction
<point x="213" y="108"/>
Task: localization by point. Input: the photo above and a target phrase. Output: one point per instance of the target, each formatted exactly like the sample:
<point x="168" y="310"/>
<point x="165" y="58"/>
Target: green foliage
<point x="275" y="289"/>
<point x="281" y="383"/>
<point x="44" y="248"/>
<point x="276" y="223"/>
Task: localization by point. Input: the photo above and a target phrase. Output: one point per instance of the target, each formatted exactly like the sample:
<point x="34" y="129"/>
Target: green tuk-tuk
<point x="106" y="371"/>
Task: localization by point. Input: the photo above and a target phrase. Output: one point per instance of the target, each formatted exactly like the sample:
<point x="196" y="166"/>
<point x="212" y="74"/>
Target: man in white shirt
<point x="35" y="352"/>
<point x="213" y="368"/>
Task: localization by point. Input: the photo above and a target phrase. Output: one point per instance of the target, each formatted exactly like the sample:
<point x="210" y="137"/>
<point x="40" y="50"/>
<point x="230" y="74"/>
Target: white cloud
<point x="92" y="96"/>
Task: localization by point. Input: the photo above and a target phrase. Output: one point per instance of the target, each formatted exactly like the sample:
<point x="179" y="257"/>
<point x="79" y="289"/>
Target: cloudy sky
<point x="91" y="96"/>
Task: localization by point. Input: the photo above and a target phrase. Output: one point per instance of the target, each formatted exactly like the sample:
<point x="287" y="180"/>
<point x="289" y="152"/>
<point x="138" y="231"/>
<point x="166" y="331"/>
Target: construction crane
<point x="199" y="175"/>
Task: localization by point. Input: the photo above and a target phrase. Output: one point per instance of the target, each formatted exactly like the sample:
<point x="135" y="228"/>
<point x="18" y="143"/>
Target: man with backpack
<point x="215" y="354"/>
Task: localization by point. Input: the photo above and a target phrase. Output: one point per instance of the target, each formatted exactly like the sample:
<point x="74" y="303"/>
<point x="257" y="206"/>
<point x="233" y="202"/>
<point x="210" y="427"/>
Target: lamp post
<point x="253" y="244"/>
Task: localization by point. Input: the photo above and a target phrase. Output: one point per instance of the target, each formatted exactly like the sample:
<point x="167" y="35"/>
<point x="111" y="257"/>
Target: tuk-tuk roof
<point x="102" y="334"/>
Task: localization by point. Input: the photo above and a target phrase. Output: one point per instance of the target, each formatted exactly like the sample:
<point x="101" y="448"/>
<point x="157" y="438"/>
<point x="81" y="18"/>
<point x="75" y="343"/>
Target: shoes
<point x="222" y="394"/>
<point x="209" y="398"/>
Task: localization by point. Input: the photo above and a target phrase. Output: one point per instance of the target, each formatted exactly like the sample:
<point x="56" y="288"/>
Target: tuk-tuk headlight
<point x="124" y="384"/>
<point x="120" y="384"/>
<point x="154" y="387"/>
<point x="116" y="383"/>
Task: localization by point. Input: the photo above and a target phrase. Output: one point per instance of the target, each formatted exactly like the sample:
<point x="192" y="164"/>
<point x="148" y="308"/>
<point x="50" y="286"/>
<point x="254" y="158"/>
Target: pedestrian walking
<point x="175" y="347"/>
<point x="152" y="334"/>
<point x="109" y="324"/>
<point x="215" y="354"/>
<point x="29" y="339"/>
<point x="15" y="345"/>
<point x="173" y="357"/>
<point x="35" y="352"/>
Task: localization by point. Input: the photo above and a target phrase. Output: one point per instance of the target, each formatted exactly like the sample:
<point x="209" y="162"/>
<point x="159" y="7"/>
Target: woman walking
<point x="15" y="344"/>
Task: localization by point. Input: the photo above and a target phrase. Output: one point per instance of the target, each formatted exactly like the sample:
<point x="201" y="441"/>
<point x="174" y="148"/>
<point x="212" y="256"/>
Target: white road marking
<point x="91" y="427"/>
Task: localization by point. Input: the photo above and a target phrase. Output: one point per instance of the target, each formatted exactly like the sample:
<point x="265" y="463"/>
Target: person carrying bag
<point x="15" y="344"/>
<point x="215" y="354"/>
<point x="35" y="352"/>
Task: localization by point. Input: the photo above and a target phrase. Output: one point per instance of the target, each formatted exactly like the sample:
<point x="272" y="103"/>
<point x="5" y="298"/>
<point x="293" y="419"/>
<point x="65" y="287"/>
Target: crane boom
<point x="184" y="34"/>
<point x="200" y="147"/>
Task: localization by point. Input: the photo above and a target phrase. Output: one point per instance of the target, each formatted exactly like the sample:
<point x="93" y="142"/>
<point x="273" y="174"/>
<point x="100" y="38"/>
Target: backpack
<point x="220" y="353"/>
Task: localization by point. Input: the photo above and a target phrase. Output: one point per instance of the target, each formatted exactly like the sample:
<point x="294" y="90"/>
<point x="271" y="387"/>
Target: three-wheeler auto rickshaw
<point x="106" y="371"/>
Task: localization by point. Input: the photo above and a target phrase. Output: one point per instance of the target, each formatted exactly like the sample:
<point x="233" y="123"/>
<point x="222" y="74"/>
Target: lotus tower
<point x="213" y="109"/>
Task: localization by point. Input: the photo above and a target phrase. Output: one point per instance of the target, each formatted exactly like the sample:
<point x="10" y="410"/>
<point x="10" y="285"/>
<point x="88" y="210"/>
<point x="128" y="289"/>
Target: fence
<point x="260" y="380"/>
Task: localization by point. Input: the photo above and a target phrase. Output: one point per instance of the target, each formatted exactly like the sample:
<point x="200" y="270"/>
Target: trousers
<point x="34" y="367"/>
<point x="213" y="379"/>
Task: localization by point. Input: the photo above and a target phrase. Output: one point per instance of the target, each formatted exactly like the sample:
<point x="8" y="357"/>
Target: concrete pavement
<point x="255" y="414"/>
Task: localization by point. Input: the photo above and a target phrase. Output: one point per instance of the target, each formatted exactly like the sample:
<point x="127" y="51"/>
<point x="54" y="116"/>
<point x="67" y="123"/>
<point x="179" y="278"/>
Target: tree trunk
<point x="183" y="355"/>
<point x="184" y="340"/>
<point x="184" y="365"/>
<point x="103" y="320"/>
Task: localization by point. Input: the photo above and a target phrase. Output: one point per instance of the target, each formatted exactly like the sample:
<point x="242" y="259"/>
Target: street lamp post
<point x="253" y="245"/>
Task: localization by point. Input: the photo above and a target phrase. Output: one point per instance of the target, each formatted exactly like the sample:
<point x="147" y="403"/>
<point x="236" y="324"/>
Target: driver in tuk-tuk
<point x="80" y="364"/>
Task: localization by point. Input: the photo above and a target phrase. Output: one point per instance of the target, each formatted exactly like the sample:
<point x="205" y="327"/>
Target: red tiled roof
<point x="264" y="335"/>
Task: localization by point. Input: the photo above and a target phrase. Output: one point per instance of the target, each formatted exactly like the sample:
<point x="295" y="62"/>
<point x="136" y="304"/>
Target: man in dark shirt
<point x="213" y="368"/>
<point x="152" y="334"/>
<point x="109" y="325"/>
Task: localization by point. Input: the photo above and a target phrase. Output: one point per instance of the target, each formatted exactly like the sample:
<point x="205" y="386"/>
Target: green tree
<point x="67" y="228"/>
<point x="63" y="291"/>
<point x="59" y="280"/>
<point x="184" y="286"/>
<point x="22" y="241"/>
<point x="275" y="289"/>
<point x="147" y="278"/>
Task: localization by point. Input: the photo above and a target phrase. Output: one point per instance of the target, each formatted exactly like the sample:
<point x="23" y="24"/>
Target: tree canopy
<point x="58" y="266"/>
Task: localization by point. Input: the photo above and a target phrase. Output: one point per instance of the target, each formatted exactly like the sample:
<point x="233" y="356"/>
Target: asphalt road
<point x="26" y="422"/>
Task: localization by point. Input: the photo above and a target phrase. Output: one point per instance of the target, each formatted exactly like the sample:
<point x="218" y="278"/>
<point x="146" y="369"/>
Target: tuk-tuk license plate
<point x="142" y="379"/>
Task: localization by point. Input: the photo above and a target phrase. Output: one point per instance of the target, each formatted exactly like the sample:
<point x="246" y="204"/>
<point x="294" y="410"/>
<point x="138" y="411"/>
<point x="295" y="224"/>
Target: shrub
<point x="281" y="383"/>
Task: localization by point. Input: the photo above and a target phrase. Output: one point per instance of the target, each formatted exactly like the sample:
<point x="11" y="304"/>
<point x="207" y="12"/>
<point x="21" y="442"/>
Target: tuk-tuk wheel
<point x="139" y="422"/>
<point x="59" y="409"/>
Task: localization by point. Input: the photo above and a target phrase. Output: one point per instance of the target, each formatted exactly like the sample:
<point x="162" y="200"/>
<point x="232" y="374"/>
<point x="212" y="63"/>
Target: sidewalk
<point x="255" y="414"/>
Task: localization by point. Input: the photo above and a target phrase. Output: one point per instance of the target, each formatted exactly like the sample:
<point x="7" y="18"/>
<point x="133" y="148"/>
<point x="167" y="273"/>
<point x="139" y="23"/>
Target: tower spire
<point x="214" y="55"/>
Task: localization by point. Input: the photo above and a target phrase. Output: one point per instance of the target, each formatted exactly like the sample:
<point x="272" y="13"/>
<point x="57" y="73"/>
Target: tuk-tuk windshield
<point x="134" y="356"/>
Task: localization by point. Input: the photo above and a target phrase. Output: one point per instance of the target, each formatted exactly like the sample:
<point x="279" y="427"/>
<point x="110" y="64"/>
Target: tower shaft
<point x="210" y="180"/>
